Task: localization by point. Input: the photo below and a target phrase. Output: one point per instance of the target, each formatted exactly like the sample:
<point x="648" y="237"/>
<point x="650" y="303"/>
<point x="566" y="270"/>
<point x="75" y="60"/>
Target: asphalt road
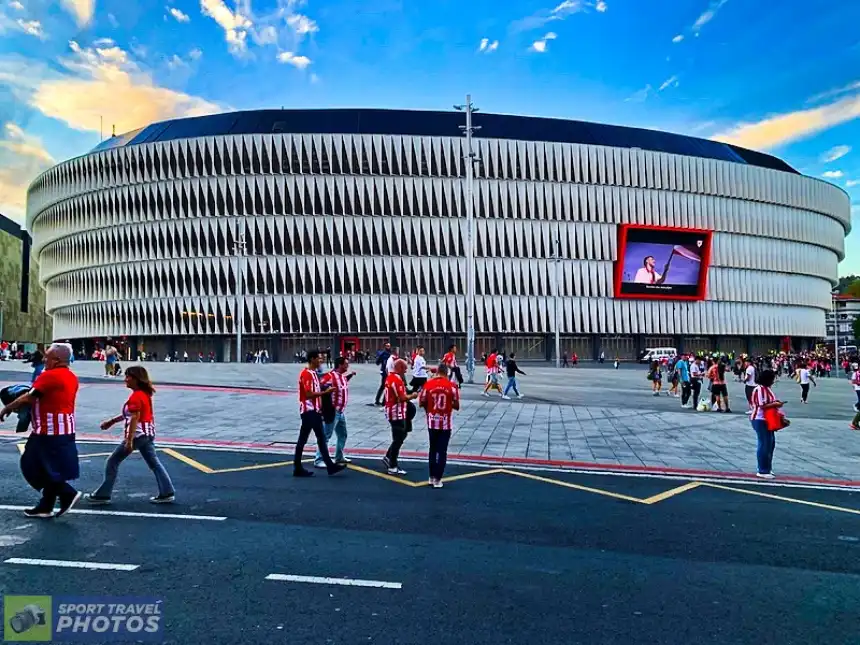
<point x="489" y="559"/>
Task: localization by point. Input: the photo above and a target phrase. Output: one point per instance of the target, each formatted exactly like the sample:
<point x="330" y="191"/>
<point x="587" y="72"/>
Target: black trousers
<point x="696" y="386"/>
<point x="686" y="390"/>
<point x="438" y="452"/>
<point x="804" y="391"/>
<point x="399" y="432"/>
<point x="417" y="383"/>
<point x="458" y="374"/>
<point x="381" y="389"/>
<point x="312" y="422"/>
<point x="749" y="389"/>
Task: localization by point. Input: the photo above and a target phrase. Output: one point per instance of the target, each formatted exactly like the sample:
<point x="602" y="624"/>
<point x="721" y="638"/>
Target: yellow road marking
<point x="453" y="478"/>
<point x="784" y="499"/>
<point x="671" y="493"/>
<point x="586" y="489"/>
<point x="391" y="478"/>
<point x="188" y="460"/>
<point x="277" y="464"/>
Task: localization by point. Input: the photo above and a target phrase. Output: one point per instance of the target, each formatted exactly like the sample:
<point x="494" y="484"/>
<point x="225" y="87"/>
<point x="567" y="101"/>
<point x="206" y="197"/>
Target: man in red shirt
<point x="50" y="458"/>
<point x="334" y="409"/>
<point x="397" y="412"/>
<point x="493" y="369"/>
<point x="440" y="397"/>
<point x="310" y="409"/>
<point x="450" y="359"/>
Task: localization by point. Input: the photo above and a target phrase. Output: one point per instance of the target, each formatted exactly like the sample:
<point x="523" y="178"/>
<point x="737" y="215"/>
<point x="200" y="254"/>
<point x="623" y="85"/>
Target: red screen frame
<point x="622" y="252"/>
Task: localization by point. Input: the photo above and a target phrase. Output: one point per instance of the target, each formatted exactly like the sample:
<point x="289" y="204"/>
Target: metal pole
<point x="240" y="291"/>
<point x="835" y="331"/>
<point x="470" y="246"/>
<point x="2" y="307"/>
<point x="556" y="300"/>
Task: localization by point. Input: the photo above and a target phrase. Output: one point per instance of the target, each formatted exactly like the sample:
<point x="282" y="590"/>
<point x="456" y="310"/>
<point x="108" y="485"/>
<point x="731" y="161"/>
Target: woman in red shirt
<point x="139" y="435"/>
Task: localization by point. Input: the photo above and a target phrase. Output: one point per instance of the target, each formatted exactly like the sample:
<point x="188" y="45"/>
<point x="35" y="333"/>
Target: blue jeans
<point x="338" y="427"/>
<point x="512" y="383"/>
<point x="37" y="370"/>
<point x="766" y="445"/>
<point x="146" y="447"/>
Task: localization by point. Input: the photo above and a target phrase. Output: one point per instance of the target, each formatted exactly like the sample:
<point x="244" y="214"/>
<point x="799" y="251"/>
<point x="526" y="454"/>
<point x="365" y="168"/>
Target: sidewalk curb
<point x="287" y="447"/>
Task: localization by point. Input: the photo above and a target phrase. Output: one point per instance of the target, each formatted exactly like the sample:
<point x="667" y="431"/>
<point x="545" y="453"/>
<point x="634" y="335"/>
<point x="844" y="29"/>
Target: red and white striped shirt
<point x="760" y="397"/>
<point x="309" y="382"/>
<point x="395" y="410"/>
<point x="340" y="394"/>
<point x="438" y="398"/>
<point x="141" y="403"/>
<point x="450" y="359"/>
<point x="54" y="409"/>
<point x="492" y="364"/>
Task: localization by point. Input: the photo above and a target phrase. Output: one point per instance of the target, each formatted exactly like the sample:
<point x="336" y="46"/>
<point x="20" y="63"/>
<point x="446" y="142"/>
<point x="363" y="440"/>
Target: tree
<point x="847" y="281"/>
<point x="853" y="289"/>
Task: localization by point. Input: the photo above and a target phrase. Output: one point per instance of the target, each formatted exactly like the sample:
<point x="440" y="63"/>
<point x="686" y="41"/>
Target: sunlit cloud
<point x="540" y="44"/>
<point x="852" y="182"/>
<point x="833" y="174"/>
<point x="792" y="126"/>
<point x="14" y="4"/>
<point x="639" y="96"/>
<point x="82" y="10"/>
<point x="672" y="81"/>
<point x="561" y="11"/>
<point x="235" y="24"/>
<point x="709" y="14"/>
<point x="678" y="38"/>
<point x="22" y="157"/>
<point x="31" y="28"/>
<point x="487" y="46"/>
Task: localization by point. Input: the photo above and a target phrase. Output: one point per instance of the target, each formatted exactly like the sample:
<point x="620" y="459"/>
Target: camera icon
<point x="27" y="618"/>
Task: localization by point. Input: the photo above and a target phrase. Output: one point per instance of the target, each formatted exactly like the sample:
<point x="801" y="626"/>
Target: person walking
<point x="439" y="398"/>
<point x="804" y="377"/>
<point x="334" y="410"/>
<point x="37" y="360"/>
<point x="719" y="389"/>
<point x="139" y="434"/>
<point x="310" y="406"/>
<point x="855" y="381"/>
<point x="512" y="369"/>
<point x="655" y="375"/>
<point x="697" y="372"/>
<point x="492" y="365"/>
<point x="419" y="369"/>
<point x="682" y="369"/>
<point x="50" y="458"/>
<point x="397" y="413"/>
<point x="763" y="399"/>
<point x="749" y="378"/>
<point x="382" y="357"/>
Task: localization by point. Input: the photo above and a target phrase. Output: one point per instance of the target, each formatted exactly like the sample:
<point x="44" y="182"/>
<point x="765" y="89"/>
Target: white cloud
<point x="708" y="15"/>
<point x="82" y="10"/>
<point x="315" y="78"/>
<point x="195" y="54"/>
<point x="296" y="61"/>
<point x="640" y="96"/>
<point x="852" y="182"/>
<point x="601" y="6"/>
<point x="31" y="28"/>
<point x="22" y="157"/>
<point x="837" y="152"/>
<point x="792" y="126"/>
<point x="487" y="46"/>
<point x="179" y="15"/>
<point x="493" y="46"/>
<point x="540" y="44"/>
<point x="14" y="4"/>
<point x="560" y="12"/>
<point x="672" y="81"/>
<point x="112" y="20"/>
<point x="175" y="62"/>
<point x="235" y="25"/>
<point x="302" y="24"/>
<point x="833" y="174"/>
<point x="678" y="38"/>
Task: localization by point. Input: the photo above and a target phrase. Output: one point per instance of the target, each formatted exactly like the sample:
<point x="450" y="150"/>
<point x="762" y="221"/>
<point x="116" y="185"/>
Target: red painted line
<point x="288" y="447"/>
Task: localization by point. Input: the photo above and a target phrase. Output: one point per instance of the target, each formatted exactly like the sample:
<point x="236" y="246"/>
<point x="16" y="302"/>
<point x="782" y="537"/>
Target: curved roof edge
<point x="435" y="124"/>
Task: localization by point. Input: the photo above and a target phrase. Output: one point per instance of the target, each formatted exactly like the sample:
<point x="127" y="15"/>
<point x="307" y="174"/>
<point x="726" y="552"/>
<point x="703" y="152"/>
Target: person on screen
<point x="647" y="274"/>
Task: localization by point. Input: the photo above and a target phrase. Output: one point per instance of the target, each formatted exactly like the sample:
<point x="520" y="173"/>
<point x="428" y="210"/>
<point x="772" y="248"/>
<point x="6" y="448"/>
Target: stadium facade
<point x="354" y="229"/>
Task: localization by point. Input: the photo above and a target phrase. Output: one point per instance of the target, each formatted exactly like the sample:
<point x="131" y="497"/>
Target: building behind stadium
<point x="22" y="300"/>
<point x="354" y="231"/>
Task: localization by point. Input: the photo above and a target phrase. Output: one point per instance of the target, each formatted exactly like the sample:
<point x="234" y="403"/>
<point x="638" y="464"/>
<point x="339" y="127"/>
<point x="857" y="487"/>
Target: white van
<point x="658" y="354"/>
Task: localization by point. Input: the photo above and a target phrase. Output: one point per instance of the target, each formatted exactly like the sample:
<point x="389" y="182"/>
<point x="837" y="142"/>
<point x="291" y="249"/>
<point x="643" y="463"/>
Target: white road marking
<point x="346" y="582"/>
<point x="12" y="540"/>
<point x="73" y="564"/>
<point x="167" y="516"/>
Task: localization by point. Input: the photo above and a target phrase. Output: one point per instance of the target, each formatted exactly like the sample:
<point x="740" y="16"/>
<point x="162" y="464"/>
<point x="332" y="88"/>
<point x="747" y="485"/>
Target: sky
<point x="780" y="77"/>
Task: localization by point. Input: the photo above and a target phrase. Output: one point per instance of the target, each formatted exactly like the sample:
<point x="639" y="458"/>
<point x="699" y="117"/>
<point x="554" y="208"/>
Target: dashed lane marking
<point x="73" y="564"/>
<point x="346" y="582"/>
<point x="163" y="516"/>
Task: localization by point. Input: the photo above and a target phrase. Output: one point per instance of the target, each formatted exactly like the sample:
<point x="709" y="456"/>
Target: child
<point x="139" y="435"/>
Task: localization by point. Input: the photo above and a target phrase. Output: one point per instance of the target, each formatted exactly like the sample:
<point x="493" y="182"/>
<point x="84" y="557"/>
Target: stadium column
<point x="678" y="341"/>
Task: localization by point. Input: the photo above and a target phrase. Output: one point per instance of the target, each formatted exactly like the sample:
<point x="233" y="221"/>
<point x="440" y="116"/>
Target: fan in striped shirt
<point x="334" y="410"/>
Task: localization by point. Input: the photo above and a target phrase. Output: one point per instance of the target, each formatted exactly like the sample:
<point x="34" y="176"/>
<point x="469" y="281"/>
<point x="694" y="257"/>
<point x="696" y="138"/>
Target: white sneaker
<point x="506" y="397"/>
<point x="396" y="471"/>
<point x="486" y="395"/>
<point x="765" y="475"/>
<point x="519" y="396"/>
<point x="319" y="464"/>
<point x="437" y="484"/>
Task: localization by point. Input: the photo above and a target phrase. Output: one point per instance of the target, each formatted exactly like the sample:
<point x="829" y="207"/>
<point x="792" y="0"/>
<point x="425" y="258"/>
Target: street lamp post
<point x="239" y="248"/>
<point x="471" y="158"/>
<point x="835" y="329"/>
<point x="556" y="258"/>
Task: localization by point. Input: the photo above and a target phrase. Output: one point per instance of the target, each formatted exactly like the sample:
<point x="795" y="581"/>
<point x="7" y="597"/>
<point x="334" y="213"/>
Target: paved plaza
<point x="589" y="414"/>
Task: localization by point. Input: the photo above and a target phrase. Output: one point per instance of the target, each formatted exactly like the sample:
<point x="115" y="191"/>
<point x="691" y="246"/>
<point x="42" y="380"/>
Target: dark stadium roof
<point x="438" y="124"/>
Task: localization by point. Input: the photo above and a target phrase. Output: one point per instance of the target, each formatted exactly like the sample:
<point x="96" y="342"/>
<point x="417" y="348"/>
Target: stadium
<point x="353" y="223"/>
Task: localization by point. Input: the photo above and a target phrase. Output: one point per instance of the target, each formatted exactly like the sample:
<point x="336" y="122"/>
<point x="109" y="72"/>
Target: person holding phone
<point x="762" y="399"/>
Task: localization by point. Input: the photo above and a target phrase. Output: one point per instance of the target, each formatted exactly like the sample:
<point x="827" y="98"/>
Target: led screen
<point x="661" y="262"/>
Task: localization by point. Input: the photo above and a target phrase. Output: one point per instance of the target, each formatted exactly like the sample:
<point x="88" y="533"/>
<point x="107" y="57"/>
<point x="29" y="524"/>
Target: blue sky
<point x="783" y="77"/>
